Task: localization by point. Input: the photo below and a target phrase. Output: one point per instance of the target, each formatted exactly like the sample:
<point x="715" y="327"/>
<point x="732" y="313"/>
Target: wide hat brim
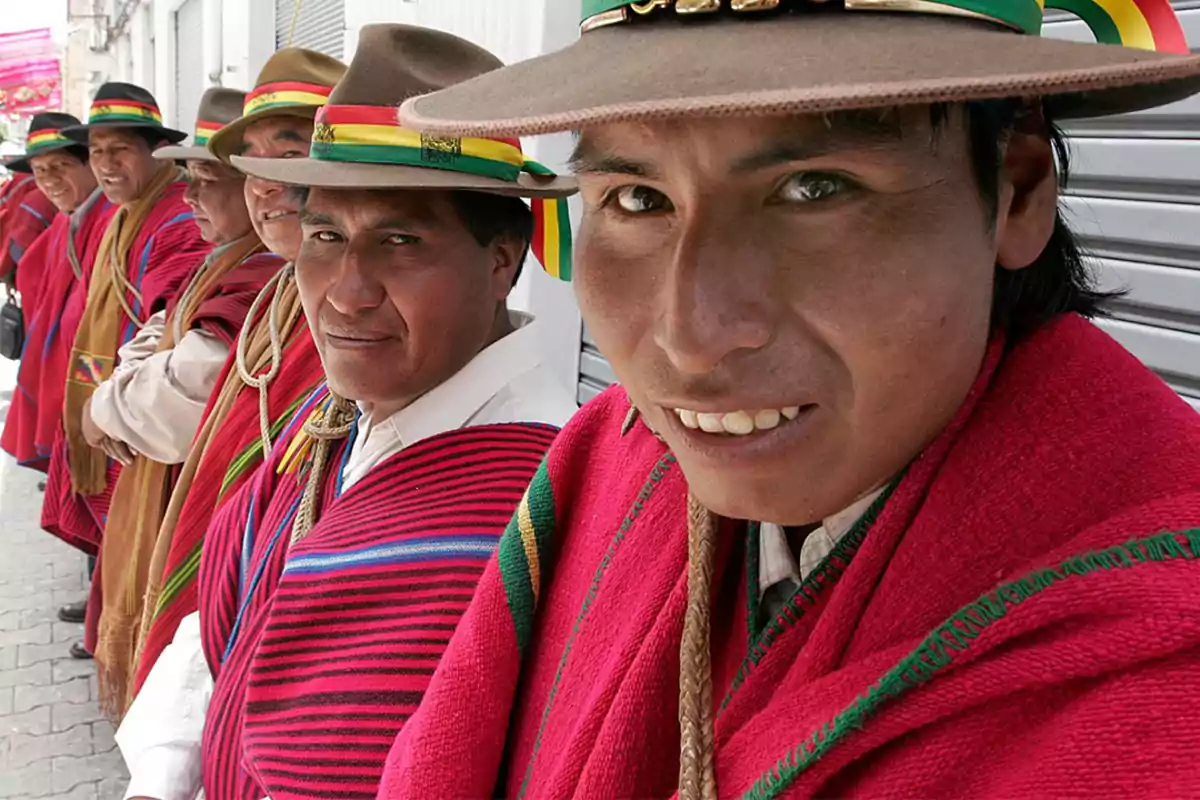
<point x="798" y="64"/>
<point x="225" y="142"/>
<point x="192" y="152"/>
<point x="318" y="173"/>
<point x="79" y="133"/>
<point x="20" y="163"/>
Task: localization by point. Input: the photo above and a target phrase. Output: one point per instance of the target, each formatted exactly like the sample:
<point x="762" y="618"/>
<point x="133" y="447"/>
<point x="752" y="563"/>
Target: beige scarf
<point x="98" y="338"/>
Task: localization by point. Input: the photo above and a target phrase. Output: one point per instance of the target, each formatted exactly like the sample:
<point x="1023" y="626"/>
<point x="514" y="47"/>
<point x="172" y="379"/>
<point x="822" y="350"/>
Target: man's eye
<point x="811" y="187"/>
<point x="326" y="237"/>
<point x="641" y="200"/>
<point x="400" y="239"/>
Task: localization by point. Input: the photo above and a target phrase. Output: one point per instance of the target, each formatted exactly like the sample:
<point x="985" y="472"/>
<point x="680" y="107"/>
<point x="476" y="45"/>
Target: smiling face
<point x="64" y="179"/>
<point x="216" y="195"/>
<point x="274" y="207"/>
<point x="123" y="162"/>
<point x="398" y="294"/>
<point x="798" y="307"/>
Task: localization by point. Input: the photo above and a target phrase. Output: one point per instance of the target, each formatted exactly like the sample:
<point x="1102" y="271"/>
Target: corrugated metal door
<point x="314" y="24"/>
<point x="189" y="63"/>
<point x="1134" y="199"/>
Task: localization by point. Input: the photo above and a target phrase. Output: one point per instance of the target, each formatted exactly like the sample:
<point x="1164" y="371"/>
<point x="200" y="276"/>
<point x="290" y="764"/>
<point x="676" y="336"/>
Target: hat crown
<point x="395" y="62"/>
<point x="52" y="121"/>
<point x="298" y="65"/>
<point x="220" y="105"/>
<point x="116" y="91"/>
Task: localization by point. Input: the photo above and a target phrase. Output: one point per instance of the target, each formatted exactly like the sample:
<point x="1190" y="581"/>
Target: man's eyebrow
<point x="841" y="132"/>
<point x="314" y="218"/>
<point x="589" y="159"/>
<point x="287" y="135"/>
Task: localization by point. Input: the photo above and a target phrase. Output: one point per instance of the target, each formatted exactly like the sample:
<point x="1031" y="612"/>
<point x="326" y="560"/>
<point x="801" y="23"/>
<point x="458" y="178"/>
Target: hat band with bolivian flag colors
<point x="1142" y="24"/>
<point x="370" y="135"/>
<point x="285" y="93"/>
<point x="47" y="138"/>
<point x="114" y="110"/>
<point x="205" y="131"/>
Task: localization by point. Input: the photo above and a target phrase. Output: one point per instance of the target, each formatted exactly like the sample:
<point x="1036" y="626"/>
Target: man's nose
<point x="717" y="297"/>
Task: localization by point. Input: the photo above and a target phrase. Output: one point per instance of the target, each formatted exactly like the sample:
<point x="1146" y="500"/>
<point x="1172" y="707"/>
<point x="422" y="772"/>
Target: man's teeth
<point x="737" y="423"/>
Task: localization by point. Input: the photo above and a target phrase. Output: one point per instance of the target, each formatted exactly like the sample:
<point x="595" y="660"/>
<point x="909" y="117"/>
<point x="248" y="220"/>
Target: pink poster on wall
<point x="30" y="73"/>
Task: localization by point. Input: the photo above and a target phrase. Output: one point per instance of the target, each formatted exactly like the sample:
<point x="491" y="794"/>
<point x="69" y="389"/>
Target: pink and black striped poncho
<point x="322" y="651"/>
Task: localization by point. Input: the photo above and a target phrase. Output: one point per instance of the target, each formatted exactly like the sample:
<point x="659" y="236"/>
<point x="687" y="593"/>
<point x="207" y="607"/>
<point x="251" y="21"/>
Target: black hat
<point x="45" y="136"/>
<point x="123" y="105"/>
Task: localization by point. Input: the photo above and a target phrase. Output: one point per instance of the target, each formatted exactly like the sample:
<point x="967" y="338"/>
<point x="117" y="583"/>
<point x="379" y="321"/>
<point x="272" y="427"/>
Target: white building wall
<point x="237" y="39"/>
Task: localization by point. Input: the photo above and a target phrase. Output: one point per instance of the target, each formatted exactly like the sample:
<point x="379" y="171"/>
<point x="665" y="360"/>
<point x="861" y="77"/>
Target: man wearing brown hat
<point x="876" y="511"/>
<point x="363" y="534"/>
<point x="148" y="249"/>
<point x="153" y="402"/>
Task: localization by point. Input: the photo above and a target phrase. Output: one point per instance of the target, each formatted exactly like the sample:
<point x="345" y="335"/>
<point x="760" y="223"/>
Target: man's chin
<point x="734" y="494"/>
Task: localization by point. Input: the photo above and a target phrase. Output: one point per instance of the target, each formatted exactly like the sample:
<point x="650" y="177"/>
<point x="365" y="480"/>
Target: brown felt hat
<point x="358" y="142"/>
<point x="293" y="83"/>
<point x="218" y="108"/>
<point x="648" y="59"/>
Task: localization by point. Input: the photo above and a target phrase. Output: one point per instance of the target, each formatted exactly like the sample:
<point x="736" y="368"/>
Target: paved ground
<point x="54" y="743"/>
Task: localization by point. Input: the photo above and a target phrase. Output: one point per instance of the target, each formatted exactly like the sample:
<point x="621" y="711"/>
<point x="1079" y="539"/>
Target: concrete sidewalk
<point x="53" y="740"/>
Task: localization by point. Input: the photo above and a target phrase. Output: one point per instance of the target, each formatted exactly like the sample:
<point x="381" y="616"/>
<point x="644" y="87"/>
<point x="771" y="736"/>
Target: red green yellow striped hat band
<point x="282" y="94"/>
<point x="205" y="131"/>
<point x="371" y="135"/>
<point x="110" y="111"/>
<point x="1143" y="24"/>
<point x="45" y="139"/>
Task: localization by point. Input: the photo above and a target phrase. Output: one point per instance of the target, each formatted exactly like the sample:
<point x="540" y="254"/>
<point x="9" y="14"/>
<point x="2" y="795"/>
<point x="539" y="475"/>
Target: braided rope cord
<point x="335" y="423"/>
<point x="697" y="778"/>
<point x="274" y="290"/>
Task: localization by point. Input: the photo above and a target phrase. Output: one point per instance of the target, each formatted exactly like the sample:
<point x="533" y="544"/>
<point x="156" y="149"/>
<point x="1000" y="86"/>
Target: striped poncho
<point x="323" y="649"/>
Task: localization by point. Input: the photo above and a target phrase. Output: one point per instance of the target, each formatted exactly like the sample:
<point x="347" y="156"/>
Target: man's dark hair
<point x="1058" y="281"/>
<point x="78" y="151"/>
<point x="489" y="217"/>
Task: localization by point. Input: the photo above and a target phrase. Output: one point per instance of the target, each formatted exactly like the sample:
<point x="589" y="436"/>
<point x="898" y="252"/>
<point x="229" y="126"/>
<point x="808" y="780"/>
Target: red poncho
<point x="35" y="417"/>
<point x="1015" y="619"/>
<point x="25" y="214"/>
<point x="167" y="248"/>
<point x="321" y="649"/>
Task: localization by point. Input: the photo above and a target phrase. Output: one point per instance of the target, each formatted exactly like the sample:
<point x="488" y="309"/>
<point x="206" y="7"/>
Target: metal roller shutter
<point x="1134" y="199"/>
<point x="189" y="63"/>
<point x="313" y="24"/>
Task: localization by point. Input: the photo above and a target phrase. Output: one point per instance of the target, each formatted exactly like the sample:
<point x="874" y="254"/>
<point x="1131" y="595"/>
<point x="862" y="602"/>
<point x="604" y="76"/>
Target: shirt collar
<point x="450" y="405"/>
<point x="776" y="559"/>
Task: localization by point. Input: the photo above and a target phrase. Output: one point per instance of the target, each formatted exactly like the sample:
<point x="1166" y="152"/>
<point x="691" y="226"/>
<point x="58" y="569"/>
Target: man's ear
<point x="507" y="253"/>
<point x="1028" y="198"/>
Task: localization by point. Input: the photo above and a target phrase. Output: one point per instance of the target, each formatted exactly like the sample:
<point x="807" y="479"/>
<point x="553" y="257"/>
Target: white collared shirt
<point x="160" y="737"/>
<point x="776" y="562"/>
